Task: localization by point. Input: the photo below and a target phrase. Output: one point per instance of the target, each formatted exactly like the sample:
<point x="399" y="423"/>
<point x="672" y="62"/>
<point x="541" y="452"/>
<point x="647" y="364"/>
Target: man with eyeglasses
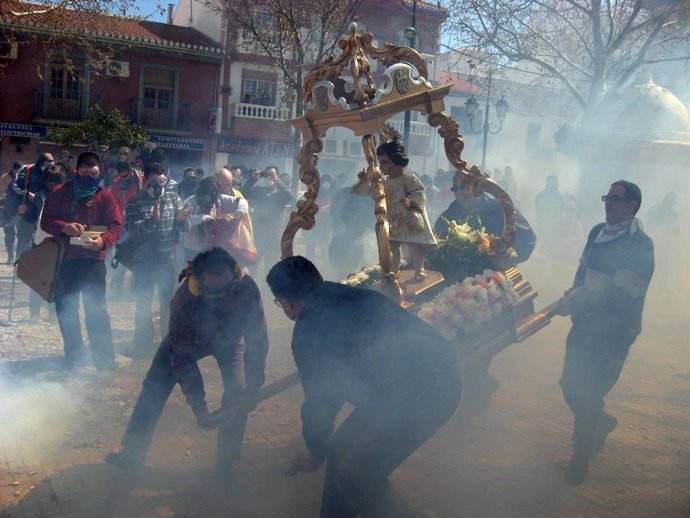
<point x="356" y="345"/>
<point x="154" y="217"/>
<point x="68" y="212"/>
<point x="214" y="309"/>
<point x="605" y="305"/>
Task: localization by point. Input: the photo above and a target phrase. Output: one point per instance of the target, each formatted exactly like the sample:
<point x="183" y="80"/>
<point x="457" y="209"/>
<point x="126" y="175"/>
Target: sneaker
<point x="34" y="319"/>
<point x="125" y="461"/>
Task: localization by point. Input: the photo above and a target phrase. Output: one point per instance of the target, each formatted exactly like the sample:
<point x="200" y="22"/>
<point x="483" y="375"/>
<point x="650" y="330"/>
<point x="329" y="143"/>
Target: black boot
<point x="125" y="460"/>
<point x="577" y="471"/>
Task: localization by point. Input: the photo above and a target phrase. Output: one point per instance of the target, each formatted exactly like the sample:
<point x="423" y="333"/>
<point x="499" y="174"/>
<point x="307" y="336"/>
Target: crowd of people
<point x="398" y="372"/>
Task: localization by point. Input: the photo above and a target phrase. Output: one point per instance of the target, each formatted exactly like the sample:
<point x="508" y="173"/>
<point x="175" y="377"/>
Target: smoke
<point x="38" y="414"/>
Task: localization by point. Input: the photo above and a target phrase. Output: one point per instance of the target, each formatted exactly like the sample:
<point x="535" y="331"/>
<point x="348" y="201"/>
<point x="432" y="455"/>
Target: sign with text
<point x="168" y="142"/>
<point x="234" y="145"/>
<point x="23" y="130"/>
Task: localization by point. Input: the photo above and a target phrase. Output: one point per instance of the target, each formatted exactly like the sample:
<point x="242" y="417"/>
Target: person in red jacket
<point x="74" y="208"/>
<point x="126" y="185"/>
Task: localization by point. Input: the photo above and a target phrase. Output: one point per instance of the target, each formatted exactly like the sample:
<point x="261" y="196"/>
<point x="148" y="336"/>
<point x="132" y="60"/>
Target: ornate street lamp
<point x="410" y="34"/>
<point x="501" y="106"/>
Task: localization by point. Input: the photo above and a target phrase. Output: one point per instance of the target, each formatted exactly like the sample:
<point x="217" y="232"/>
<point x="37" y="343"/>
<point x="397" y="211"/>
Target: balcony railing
<point x="416" y="128"/>
<point x="259" y="111"/>
<point x="162" y="115"/>
<point x="58" y="105"/>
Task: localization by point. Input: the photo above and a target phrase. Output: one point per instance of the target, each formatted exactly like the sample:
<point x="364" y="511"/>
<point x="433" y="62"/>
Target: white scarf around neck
<point x="612" y="232"/>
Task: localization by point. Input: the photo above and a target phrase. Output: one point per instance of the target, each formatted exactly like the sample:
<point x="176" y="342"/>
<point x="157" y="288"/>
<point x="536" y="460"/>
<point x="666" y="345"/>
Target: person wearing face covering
<point x="211" y="213"/>
<point x="187" y="187"/>
<point x="213" y="311"/>
<point x="401" y="376"/>
<point x="70" y="210"/>
<point x="154" y="216"/>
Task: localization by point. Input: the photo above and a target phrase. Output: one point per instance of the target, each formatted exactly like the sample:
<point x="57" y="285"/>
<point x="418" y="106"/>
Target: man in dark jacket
<point x="69" y="211"/>
<point x="268" y="197"/>
<point x="155" y="217"/>
<point x="355" y="345"/>
<point x="28" y="185"/>
<point x="605" y="305"/>
<point x="485" y="211"/>
<point x="212" y="312"/>
<point x="10" y="203"/>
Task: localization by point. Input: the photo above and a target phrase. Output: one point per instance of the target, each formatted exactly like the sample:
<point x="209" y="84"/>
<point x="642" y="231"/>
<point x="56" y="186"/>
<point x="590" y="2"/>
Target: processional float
<point x="341" y="92"/>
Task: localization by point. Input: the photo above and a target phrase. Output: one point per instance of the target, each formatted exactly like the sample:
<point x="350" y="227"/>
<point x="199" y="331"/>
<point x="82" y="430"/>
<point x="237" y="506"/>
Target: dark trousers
<point x="592" y="366"/>
<point x="158" y="385"/>
<point x="84" y="277"/>
<point x="371" y="443"/>
<point x="162" y="277"/>
<point x="25" y="235"/>
<point x="10" y="229"/>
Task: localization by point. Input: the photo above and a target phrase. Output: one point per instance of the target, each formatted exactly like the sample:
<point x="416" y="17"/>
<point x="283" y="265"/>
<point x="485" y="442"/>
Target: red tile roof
<point x="460" y="84"/>
<point x="44" y="17"/>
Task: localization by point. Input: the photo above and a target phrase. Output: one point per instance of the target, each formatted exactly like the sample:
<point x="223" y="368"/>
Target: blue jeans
<point x="85" y="277"/>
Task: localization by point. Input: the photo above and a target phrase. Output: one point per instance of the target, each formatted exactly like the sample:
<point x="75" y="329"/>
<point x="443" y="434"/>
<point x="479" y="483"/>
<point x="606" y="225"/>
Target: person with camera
<point x="214" y="218"/>
<point x="215" y="308"/>
<point x="268" y="197"/>
<point x="154" y="217"/>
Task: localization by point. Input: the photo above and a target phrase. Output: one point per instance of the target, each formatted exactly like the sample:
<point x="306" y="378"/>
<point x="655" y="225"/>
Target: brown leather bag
<point x="38" y="268"/>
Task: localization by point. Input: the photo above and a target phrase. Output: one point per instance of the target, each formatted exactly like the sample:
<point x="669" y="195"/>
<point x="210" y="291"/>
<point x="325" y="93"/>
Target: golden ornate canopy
<point x="342" y="92"/>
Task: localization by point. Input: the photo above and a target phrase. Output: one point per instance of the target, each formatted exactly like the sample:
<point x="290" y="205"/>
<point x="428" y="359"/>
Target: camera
<point x="263" y="174"/>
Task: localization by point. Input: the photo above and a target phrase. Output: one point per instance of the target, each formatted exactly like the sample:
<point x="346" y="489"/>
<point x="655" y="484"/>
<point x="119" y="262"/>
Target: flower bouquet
<point x="464" y="253"/>
<point x="365" y="278"/>
<point x="465" y="308"/>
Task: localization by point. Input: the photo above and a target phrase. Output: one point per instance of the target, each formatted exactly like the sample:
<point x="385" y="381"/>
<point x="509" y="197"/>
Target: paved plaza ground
<point x="504" y="461"/>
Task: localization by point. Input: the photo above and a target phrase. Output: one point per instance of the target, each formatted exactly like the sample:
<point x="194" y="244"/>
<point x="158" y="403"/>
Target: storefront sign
<point x="243" y="146"/>
<point x="168" y="142"/>
<point x="23" y="130"/>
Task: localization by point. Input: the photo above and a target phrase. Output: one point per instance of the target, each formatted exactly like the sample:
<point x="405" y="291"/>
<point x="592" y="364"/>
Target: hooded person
<point x="212" y="215"/>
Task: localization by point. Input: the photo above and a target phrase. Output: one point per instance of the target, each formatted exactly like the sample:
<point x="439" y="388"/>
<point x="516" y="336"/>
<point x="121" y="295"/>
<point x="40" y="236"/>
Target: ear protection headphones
<point x="210" y="260"/>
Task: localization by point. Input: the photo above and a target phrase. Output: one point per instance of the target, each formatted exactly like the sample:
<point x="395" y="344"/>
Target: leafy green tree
<point x="109" y="128"/>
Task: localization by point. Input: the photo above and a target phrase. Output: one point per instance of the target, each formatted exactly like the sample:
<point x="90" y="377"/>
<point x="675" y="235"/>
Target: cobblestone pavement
<point x="505" y="461"/>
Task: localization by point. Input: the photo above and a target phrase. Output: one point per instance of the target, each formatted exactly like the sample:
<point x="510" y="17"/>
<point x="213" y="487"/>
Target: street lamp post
<point x="501" y="110"/>
<point x="411" y="34"/>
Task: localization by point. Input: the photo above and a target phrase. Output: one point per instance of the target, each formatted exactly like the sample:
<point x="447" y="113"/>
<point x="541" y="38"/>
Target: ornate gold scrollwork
<point x="361" y="109"/>
<point x="307" y="208"/>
